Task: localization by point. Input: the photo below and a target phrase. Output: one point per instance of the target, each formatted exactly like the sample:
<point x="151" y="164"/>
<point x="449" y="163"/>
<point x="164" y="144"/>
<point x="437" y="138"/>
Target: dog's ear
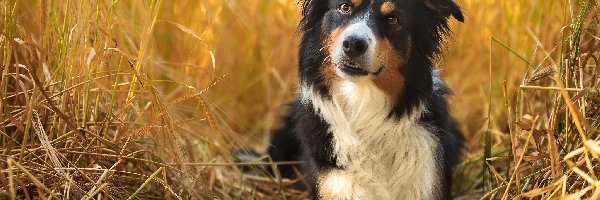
<point x="446" y="8"/>
<point x="312" y="11"/>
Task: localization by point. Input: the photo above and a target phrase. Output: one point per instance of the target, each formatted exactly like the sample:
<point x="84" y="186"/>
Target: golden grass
<point x="146" y="99"/>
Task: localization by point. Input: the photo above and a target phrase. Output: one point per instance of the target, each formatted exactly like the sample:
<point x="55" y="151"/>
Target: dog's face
<point x="364" y="39"/>
<point x="389" y="42"/>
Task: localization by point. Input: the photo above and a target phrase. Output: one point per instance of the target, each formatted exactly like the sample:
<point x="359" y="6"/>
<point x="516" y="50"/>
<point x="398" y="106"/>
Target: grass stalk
<point x="145" y="183"/>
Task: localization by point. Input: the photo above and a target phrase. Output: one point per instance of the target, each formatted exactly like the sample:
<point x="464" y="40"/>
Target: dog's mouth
<point x="352" y="69"/>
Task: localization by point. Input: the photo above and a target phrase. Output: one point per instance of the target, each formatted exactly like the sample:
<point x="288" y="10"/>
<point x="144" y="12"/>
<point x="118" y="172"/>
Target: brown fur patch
<point x="356" y="2"/>
<point x="327" y="66"/>
<point x="390" y="79"/>
<point x="387" y="8"/>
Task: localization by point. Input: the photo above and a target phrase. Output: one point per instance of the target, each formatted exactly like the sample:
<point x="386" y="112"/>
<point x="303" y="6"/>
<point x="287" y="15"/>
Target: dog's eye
<point x="345" y="8"/>
<point x="392" y="20"/>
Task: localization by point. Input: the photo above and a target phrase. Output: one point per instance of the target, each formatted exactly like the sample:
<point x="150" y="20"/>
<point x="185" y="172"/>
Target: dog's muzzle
<point x="354" y="51"/>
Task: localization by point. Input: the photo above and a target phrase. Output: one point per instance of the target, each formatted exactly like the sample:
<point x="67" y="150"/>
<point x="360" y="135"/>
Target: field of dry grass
<point x="118" y="99"/>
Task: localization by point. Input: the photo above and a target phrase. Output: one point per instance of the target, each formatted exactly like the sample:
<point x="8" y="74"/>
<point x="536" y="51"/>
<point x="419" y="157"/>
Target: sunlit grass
<point x="115" y="98"/>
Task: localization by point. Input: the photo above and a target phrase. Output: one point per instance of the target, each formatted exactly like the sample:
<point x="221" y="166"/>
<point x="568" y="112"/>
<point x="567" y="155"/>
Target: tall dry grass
<point x="509" y="67"/>
<point x="129" y="99"/>
<point x="147" y="99"/>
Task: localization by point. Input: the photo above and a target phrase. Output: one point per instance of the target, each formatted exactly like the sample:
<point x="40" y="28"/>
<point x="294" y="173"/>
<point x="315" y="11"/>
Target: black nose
<point x="355" y="47"/>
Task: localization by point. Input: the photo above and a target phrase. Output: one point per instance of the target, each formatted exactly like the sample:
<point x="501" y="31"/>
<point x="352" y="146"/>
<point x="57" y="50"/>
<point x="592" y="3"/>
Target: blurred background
<point x="188" y="82"/>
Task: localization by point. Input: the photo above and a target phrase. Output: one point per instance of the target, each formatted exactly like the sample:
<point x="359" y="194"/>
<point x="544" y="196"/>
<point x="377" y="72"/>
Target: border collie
<point x="371" y="120"/>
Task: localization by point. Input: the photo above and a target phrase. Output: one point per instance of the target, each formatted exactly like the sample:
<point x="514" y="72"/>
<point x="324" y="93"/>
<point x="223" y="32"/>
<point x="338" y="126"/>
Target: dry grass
<point x="146" y="99"/>
<point x="519" y="57"/>
<point x="110" y="98"/>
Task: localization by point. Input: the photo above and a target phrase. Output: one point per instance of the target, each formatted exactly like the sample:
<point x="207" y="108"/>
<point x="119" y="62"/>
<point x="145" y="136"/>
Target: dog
<point x="371" y="120"/>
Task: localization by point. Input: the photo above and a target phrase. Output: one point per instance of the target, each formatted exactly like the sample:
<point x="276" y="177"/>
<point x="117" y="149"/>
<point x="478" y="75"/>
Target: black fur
<point x="446" y="129"/>
<point x="426" y="23"/>
<point x="314" y="149"/>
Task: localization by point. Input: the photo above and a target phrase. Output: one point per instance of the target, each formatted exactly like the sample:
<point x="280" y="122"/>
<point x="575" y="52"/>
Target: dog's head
<point x="390" y="42"/>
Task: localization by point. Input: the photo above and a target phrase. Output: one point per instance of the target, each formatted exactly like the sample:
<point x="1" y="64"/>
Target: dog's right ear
<point x="446" y="8"/>
<point x="312" y="12"/>
<point x="306" y="4"/>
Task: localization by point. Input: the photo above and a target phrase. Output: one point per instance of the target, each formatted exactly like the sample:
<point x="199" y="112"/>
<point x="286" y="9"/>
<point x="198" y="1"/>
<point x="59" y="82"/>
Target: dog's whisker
<point x="326" y="60"/>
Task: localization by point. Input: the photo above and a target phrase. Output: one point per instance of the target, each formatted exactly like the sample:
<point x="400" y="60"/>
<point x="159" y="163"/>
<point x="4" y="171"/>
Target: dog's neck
<point x="358" y="114"/>
<point x="394" y="157"/>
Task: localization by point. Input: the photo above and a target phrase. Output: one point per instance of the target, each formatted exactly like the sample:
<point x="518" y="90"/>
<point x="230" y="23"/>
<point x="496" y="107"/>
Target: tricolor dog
<point x="371" y="120"/>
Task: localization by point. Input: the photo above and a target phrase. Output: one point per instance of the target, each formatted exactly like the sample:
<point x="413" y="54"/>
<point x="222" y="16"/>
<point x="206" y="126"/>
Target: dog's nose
<point x="355" y="46"/>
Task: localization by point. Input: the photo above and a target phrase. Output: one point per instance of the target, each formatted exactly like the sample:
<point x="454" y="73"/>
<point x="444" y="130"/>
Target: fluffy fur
<point x="371" y="121"/>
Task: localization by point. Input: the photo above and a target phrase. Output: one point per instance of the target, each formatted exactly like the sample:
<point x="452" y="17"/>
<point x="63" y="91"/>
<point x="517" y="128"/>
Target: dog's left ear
<point x="446" y="8"/>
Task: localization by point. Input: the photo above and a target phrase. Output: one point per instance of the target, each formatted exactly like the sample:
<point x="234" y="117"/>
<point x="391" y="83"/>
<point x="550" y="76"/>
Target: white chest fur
<point x="383" y="158"/>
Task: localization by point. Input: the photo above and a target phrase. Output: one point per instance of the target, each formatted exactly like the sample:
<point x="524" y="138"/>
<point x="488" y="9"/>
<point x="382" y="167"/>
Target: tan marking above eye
<point x="387" y="8"/>
<point x="356" y="2"/>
